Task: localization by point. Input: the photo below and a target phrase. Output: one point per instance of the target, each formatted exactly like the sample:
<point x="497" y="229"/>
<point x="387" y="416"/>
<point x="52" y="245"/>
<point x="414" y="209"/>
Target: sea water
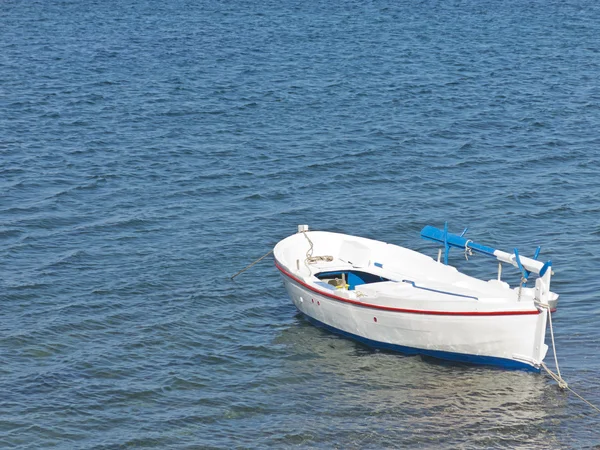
<point x="149" y="150"/>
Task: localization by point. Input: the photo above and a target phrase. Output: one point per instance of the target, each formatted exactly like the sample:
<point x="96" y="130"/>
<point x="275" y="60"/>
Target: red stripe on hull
<point x="402" y="310"/>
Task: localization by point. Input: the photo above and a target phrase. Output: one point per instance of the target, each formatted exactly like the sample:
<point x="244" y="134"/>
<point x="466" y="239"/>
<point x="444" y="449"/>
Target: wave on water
<point x="149" y="151"/>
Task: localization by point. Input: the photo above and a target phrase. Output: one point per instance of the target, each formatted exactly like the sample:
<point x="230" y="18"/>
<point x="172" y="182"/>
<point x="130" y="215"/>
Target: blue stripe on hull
<point x="448" y="356"/>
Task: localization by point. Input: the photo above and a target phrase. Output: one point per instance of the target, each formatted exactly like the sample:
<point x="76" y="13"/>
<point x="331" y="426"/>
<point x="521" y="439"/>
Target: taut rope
<point x="557" y="376"/>
<point x="258" y="260"/>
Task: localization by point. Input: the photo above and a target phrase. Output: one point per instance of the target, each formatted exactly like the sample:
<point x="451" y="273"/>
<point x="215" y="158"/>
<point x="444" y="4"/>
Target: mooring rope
<point x="557" y="376"/>
<point x="247" y="267"/>
<point x="563" y="384"/>
<point x="310" y="259"/>
<point x="309" y="252"/>
<point x="316" y="259"/>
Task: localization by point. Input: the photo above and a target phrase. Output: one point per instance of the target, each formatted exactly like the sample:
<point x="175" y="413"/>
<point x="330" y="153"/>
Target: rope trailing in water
<point x="563" y="385"/>
<point x="258" y="260"/>
<point x="557" y="376"/>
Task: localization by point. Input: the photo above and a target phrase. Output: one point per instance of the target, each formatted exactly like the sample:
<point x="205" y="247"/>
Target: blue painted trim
<point x="447" y="356"/>
<point x="378" y="265"/>
<point x="524" y="271"/>
<point x="354" y="277"/>
<point x="446" y="244"/>
<point x="438" y="291"/>
<point x="329" y="273"/>
<point x="545" y="267"/>
<point x="353" y="281"/>
<point x="453" y="240"/>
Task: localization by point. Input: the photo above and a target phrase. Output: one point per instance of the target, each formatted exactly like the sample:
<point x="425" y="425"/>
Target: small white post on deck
<point x="499" y="271"/>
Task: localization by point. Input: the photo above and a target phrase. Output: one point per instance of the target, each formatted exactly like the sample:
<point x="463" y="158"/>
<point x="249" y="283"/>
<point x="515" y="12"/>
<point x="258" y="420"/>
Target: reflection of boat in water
<point x="378" y="399"/>
<point x="390" y="297"/>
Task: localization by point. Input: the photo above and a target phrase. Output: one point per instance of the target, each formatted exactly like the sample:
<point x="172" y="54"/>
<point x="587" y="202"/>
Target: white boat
<point x="390" y="297"/>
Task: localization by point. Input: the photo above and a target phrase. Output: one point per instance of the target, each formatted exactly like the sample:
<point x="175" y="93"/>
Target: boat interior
<point x="347" y="279"/>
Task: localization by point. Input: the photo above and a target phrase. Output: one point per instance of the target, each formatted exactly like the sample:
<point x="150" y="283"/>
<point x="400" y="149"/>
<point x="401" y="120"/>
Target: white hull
<point x="452" y="321"/>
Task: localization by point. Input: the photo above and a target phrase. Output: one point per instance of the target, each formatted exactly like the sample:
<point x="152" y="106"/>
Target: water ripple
<point x="150" y="150"/>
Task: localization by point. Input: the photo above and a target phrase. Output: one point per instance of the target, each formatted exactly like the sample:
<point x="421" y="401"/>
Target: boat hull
<point x="503" y="339"/>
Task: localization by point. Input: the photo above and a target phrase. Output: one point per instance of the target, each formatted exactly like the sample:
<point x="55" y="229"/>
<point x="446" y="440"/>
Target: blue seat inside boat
<point x="354" y="280"/>
<point x="353" y="277"/>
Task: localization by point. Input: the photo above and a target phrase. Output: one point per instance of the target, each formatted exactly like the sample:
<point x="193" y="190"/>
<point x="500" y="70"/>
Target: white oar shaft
<point x="529" y="264"/>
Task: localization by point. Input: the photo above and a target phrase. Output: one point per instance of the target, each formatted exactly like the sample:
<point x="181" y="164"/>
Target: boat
<point x="393" y="298"/>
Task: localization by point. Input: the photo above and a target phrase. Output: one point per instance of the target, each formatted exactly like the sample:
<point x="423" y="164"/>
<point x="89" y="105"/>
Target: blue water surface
<point x="149" y="150"/>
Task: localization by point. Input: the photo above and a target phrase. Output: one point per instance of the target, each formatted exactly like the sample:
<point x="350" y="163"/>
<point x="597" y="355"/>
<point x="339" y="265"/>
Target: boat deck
<point x="387" y="284"/>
